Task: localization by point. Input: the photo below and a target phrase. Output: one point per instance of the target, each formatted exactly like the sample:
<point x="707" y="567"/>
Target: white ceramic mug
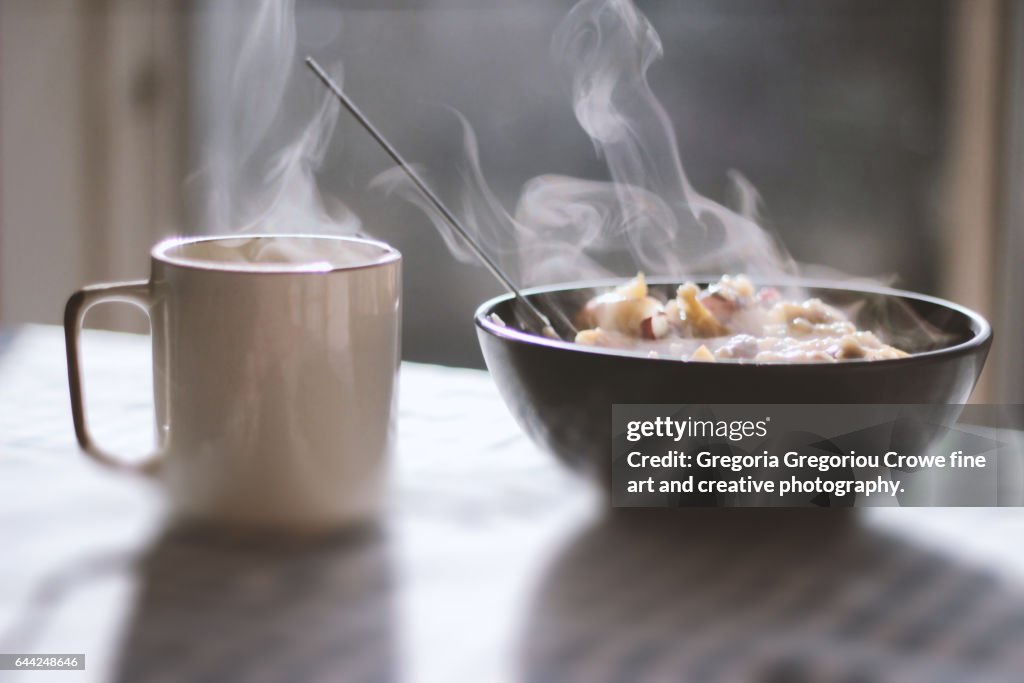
<point x="275" y="361"/>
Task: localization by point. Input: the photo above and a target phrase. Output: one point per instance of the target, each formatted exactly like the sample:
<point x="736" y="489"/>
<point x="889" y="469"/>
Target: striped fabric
<point x="769" y="596"/>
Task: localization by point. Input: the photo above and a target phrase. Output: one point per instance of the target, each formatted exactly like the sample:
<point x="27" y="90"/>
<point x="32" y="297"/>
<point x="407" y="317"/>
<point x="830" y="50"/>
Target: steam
<point x="259" y="170"/>
<point x="566" y="228"/>
<point x="259" y="175"/>
<point x="608" y="47"/>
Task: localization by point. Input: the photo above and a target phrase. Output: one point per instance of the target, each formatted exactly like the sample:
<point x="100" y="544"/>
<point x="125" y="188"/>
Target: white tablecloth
<point x="492" y="564"/>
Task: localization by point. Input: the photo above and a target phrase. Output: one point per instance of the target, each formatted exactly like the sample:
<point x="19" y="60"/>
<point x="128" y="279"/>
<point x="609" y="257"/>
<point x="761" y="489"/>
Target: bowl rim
<point x="981" y="327"/>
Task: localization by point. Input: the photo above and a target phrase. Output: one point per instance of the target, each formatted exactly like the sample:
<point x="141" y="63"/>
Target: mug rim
<point x="159" y="253"/>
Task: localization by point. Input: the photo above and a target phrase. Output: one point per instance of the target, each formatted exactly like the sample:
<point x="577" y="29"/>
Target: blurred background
<point x="885" y="138"/>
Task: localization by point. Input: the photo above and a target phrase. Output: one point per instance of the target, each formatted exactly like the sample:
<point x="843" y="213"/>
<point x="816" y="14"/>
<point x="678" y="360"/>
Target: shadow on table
<point x="214" y="606"/>
<point x="766" y="595"/>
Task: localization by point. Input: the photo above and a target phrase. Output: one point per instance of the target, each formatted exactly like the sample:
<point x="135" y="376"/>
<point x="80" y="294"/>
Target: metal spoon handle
<point x="425" y="190"/>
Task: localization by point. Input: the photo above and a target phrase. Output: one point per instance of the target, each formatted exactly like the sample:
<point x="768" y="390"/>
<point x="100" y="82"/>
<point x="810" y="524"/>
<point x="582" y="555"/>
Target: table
<point x="491" y="564"/>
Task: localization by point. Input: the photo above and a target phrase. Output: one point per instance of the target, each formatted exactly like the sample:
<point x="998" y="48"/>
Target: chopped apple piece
<point x="590" y="337"/>
<point x="654" y="327"/>
<point x="634" y="289"/>
<point x="697" y="317"/>
<point x="703" y="354"/>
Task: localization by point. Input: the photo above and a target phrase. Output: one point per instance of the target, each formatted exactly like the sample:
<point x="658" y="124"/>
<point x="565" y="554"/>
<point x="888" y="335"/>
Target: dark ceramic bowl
<point x="562" y="394"/>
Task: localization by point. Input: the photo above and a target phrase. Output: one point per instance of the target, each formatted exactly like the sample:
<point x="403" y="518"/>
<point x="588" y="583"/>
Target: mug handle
<point x="136" y="293"/>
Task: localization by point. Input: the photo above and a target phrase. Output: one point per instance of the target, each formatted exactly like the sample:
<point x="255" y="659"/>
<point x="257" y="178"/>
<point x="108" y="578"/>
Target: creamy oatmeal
<point x="730" y="319"/>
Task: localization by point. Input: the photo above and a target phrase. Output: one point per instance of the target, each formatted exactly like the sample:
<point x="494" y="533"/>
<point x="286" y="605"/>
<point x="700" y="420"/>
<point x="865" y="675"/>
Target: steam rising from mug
<point x="564" y="228"/>
<point x="258" y="174"/>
